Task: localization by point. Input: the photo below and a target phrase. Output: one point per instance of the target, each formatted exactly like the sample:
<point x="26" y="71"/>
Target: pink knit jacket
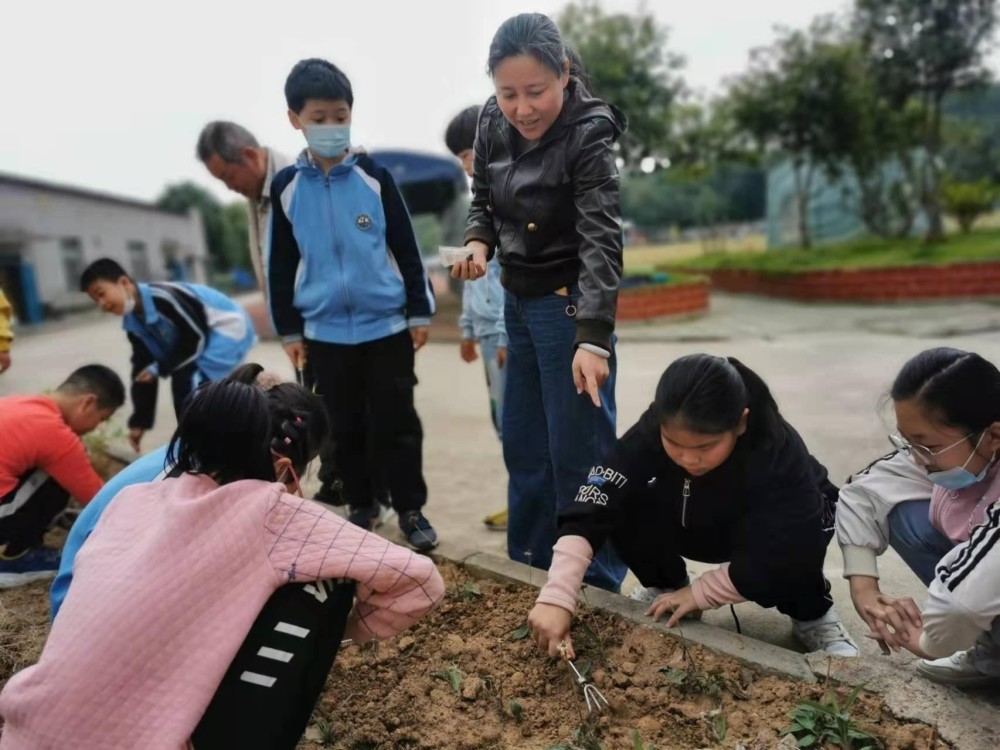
<point x="165" y="591"/>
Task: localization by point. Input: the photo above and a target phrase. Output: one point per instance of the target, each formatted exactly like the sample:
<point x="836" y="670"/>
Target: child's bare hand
<point x="589" y="373"/>
<point x="145" y="377"/>
<point x="135" y="437"/>
<point x="679" y="603"/>
<point x="470" y="270"/>
<point x="501" y="356"/>
<point x="419" y="336"/>
<point x="896" y="622"/>
<point x="549" y="626"/>
<point x="4" y="361"/>
<point x="468" y="350"/>
<point x="296" y="351"/>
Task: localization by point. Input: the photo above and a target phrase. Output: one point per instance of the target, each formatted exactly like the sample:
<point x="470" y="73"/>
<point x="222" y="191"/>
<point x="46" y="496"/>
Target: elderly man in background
<point x="231" y="154"/>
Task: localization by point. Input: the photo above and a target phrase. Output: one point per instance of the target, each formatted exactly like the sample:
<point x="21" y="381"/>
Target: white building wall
<point x="49" y="220"/>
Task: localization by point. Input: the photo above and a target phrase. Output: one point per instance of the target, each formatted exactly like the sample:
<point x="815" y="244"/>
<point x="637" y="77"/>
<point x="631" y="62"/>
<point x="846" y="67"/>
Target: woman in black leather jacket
<point x="545" y="200"/>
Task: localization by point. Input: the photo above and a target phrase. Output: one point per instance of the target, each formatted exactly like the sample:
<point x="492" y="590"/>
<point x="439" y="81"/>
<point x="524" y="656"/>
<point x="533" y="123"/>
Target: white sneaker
<point x="957" y="670"/>
<point x="825" y="634"/>
<point x="648" y="594"/>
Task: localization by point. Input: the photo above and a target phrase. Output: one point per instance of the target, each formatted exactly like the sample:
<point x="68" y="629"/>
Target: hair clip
<point x="288" y="441"/>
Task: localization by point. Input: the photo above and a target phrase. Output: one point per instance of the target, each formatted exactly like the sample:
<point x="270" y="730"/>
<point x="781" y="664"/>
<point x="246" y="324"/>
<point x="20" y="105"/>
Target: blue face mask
<point x="328" y="141"/>
<point x="959" y="477"/>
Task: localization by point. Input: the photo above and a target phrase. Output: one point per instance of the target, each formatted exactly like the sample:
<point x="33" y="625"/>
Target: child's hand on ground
<point x="4" y="361"/>
<point x="470" y="270"/>
<point x="468" y="350"/>
<point x="681" y="603"/>
<point x="296" y="351"/>
<point x="419" y="336"/>
<point x="145" y="377"/>
<point x="589" y="373"/>
<point x="549" y="626"/>
<point x="501" y="356"/>
<point x="135" y="437"/>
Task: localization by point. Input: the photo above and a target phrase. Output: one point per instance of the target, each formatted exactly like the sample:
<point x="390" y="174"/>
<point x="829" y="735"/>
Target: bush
<point x="967" y="201"/>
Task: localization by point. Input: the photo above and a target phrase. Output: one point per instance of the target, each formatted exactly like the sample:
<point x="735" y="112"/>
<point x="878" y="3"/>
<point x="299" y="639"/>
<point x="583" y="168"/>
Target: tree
<point x="924" y="50"/>
<point x="967" y="201"/>
<point x="874" y="143"/>
<point x="791" y="102"/>
<point x="187" y="195"/>
<point x="629" y="65"/>
<point x="236" y="238"/>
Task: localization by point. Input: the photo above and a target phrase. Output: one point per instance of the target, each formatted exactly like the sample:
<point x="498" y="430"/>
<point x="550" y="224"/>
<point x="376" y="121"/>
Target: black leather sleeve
<point x="480" y="223"/>
<point x="599" y="225"/>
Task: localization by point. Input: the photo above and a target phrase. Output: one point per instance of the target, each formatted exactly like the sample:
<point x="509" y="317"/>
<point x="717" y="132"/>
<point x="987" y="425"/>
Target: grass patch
<point x="867" y="253"/>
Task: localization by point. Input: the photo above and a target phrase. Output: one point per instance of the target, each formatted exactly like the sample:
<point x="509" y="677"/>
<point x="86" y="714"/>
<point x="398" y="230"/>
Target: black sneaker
<point x="418" y="531"/>
<point x="365" y="516"/>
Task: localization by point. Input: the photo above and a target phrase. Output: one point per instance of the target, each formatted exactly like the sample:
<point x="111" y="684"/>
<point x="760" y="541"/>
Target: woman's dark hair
<point x="708" y="394"/>
<point x="229" y="429"/>
<point x="958" y="389"/>
<point x="536" y="35"/>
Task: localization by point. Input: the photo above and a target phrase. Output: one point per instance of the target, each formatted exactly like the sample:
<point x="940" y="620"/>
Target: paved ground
<point x="828" y="366"/>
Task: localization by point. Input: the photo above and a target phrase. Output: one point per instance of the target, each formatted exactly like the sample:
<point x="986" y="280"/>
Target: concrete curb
<point x="961" y="720"/>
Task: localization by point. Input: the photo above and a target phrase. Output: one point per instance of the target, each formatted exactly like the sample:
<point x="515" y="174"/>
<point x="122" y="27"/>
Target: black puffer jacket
<point x="770" y="503"/>
<point x="552" y="212"/>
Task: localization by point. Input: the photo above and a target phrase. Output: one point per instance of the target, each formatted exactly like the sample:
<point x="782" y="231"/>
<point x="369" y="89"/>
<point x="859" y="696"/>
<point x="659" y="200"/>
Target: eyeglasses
<point x="920" y="452"/>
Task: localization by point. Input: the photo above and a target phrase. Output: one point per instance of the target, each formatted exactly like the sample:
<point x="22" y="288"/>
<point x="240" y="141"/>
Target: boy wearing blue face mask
<point x="934" y="500"/>
<point x="348" y="292"/>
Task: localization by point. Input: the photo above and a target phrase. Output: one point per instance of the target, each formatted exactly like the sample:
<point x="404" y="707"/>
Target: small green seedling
<point x="453" y="676"/>
<point x="720" y="725"/>
<point x="710" y="684"/>
<point x="470" y="591"/>
<point x="327" y="735"/>
<point x="521" y="633"/>
<point x="517" y="711"/>
<point x="816" y="724"/>
<point x="638" y="744"/>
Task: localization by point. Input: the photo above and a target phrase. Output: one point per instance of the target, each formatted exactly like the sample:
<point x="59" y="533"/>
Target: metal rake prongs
<point x="591" y="694"/>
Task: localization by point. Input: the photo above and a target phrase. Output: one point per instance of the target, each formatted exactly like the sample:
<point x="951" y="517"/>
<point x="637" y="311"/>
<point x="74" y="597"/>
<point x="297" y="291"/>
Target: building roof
<point x="31" y="183"/>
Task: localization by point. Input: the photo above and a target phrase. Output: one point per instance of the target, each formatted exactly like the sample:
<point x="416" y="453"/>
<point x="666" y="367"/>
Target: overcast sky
<point x="111" y="95"/>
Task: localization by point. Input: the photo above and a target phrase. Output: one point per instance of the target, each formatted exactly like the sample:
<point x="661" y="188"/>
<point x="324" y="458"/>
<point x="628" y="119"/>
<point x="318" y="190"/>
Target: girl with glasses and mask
<point x="933" y="500"/>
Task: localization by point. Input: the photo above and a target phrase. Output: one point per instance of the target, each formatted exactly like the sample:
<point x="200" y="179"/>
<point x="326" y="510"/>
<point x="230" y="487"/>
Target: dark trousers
<point x="328" y="474"/>
<point x="28" y="511"/>
<point x="267" y="696"/>
<point x="376" y="433"/>
<point x="552" y="435"/>
<point x="183" y="383"/>
<point x="653" y="544"/>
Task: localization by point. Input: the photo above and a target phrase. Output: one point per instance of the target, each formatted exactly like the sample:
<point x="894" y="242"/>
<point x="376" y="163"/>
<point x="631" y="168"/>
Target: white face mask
<point x="129" y="304"/>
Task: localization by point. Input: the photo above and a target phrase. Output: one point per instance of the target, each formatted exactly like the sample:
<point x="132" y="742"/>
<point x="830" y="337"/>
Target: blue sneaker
<point x="418" y="531"/>
<point x="35" y="564"/>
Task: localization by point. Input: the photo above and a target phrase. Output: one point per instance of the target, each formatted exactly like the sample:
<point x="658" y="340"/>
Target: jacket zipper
<point x="685" y="493"/>
<point x="340" y="257"/>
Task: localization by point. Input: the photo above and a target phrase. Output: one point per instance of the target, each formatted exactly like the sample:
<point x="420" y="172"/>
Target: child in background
<point x="186" y="332"/>
<point x="934" y="500"/>
<point x="482" y="319"/>
<point x="176" y="572"/>
<point x="348" y="290"/>
<point x="6" y="334"/>
<point x="43" y="463"/>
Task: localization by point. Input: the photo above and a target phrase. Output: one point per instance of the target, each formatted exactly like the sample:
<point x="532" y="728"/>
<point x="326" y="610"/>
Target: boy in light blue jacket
<point x="482" y="318"/>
